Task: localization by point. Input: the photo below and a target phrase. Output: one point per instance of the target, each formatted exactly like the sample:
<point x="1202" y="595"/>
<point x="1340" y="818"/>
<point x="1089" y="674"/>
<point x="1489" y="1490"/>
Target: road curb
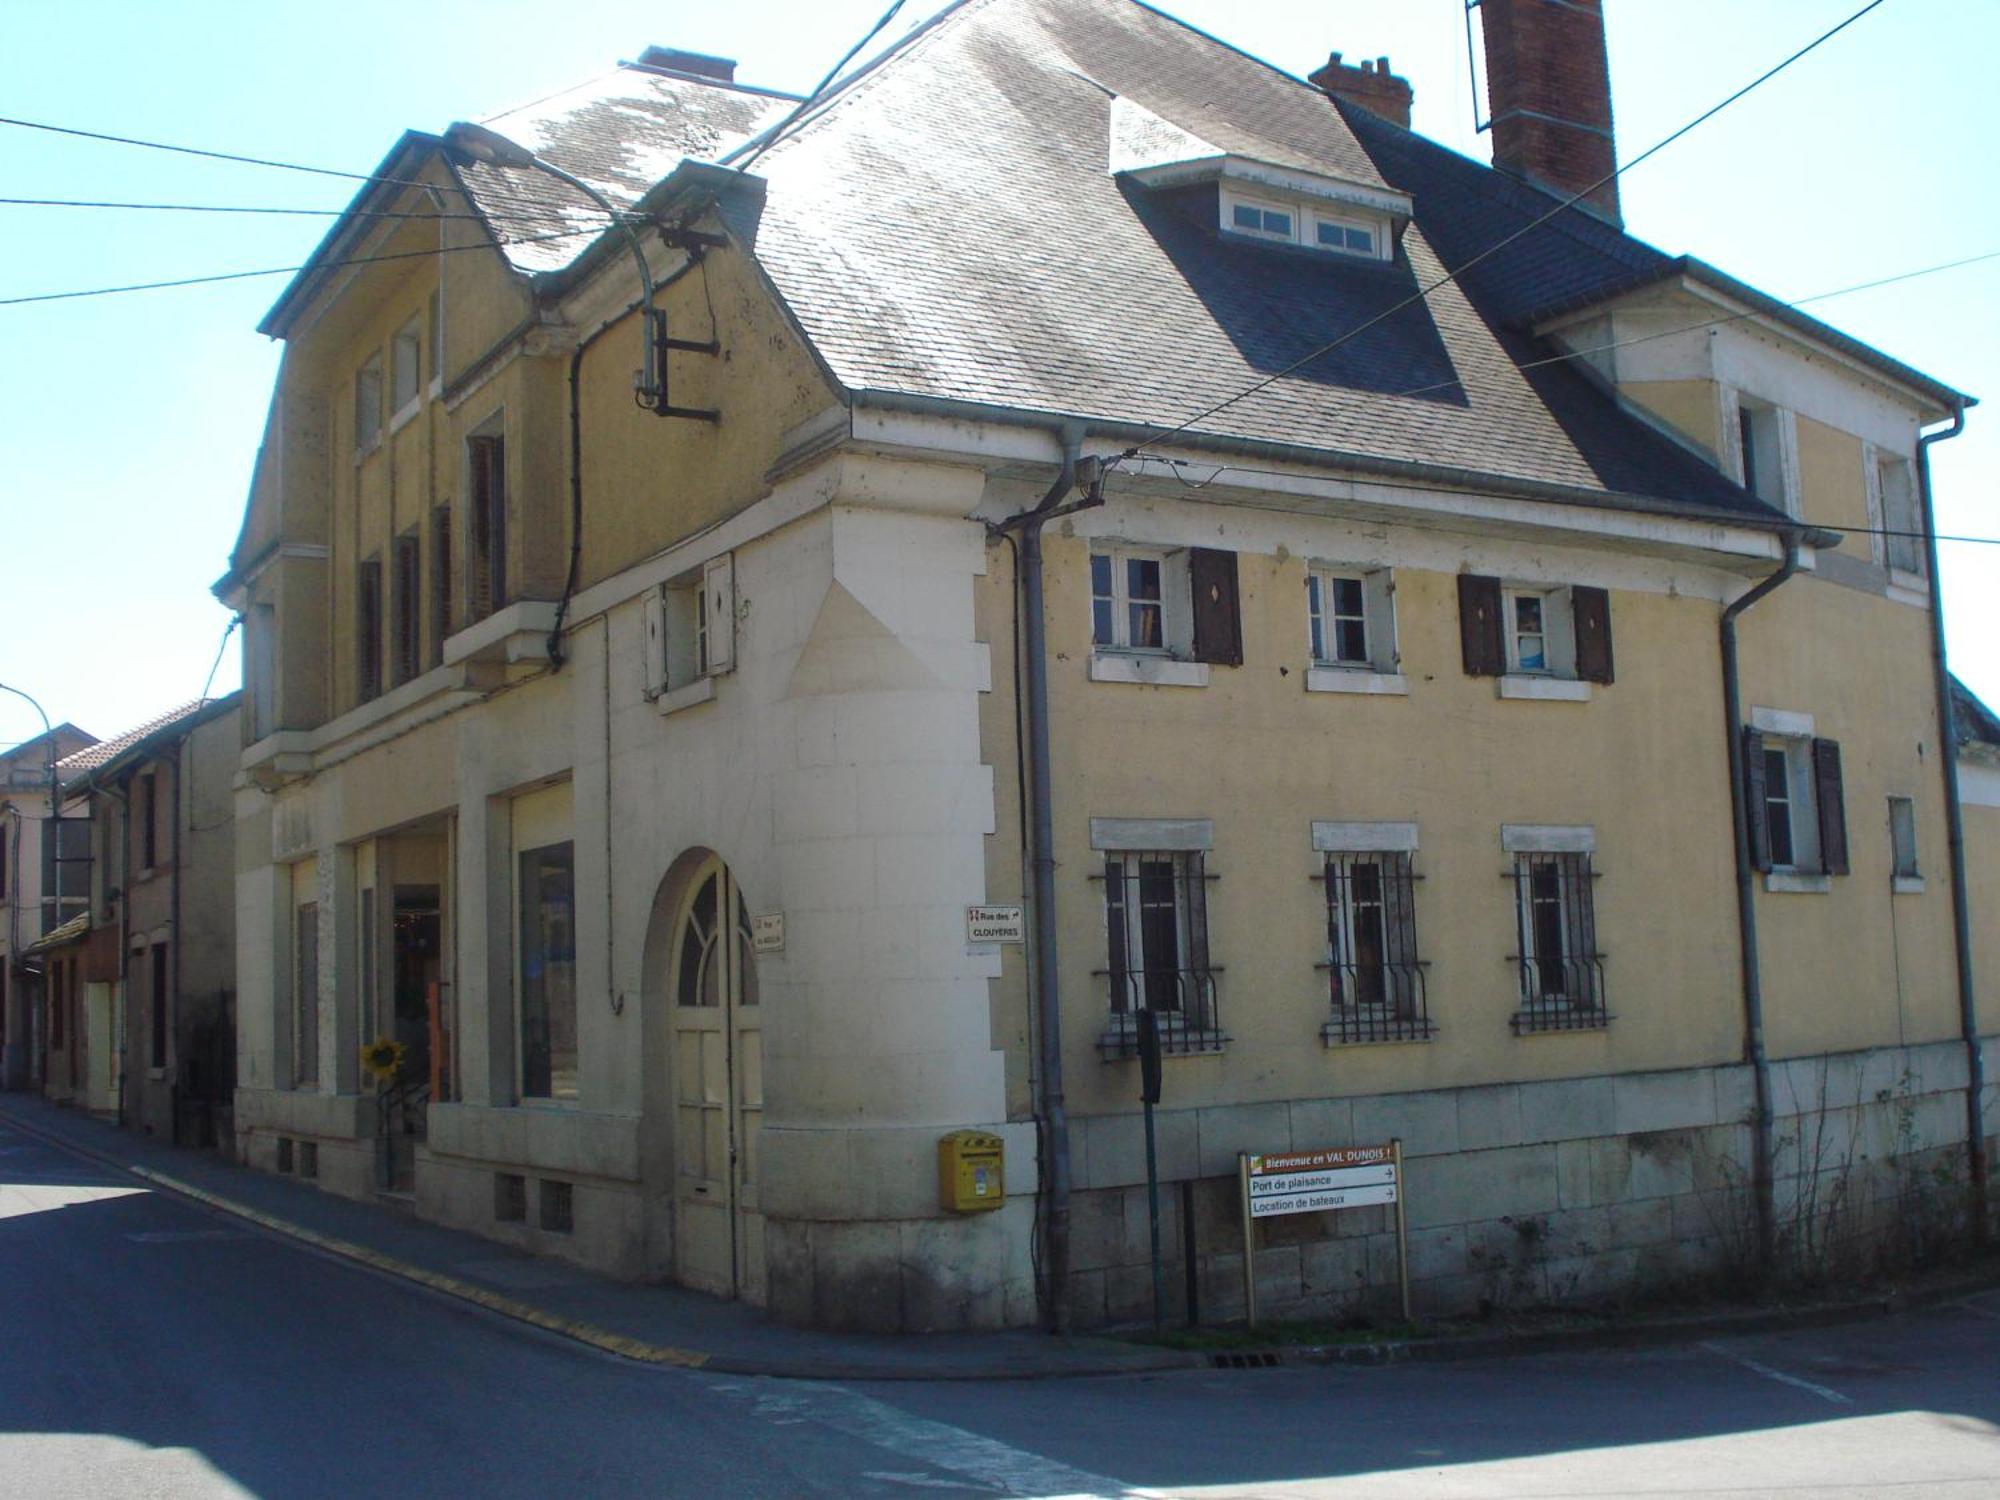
<point x="589" y="1334"/>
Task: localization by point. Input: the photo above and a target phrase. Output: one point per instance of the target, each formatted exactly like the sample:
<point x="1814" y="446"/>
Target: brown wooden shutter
<point x="1218" y="618"/>
<point x="1754" y="792"/>
<point x="1479" y="625"/>
<point x="1832" y="807"/>
<point x="1592" y="611"/>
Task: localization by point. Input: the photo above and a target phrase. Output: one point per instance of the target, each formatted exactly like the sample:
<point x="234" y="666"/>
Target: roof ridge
<point x="852" y="85"/>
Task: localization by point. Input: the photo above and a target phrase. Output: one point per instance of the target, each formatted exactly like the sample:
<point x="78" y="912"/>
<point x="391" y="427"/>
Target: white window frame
<point x="1781" y="428"/>
<point x="1881" y="514"/>
<point x="1906" y="871"/>
<point x="690" y="634"/>
<point x="1231" y="201"/>
<point x="1570" y="843"/>
<point x="1801" y="799"/>
<point x="1176" y="601"/>
<point x="1558" y="631"/>
<point x="1373" y="230"/>
<point x="369" y="394"/>
<point x="409" y="338"/>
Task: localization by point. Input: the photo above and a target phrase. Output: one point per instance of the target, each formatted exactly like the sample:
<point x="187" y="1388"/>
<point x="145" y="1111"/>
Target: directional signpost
<point x="1310" y="1182"/>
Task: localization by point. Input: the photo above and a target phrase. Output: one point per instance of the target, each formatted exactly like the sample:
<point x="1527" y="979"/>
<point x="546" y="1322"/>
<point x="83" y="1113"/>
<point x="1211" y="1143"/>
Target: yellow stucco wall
<point x="1856" y="966"/>
<point x="1982" y="883"/>
<point x="650" y="481"/>
<point x="1832" y="482"/>
<point x="1644" y="762"/>
<point x="1687" y="406"/>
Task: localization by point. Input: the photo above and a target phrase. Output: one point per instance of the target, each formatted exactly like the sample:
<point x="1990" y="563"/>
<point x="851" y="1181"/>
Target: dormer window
<point x="1344" y="235"/>
<point x="1296" y="224"/>
<point x="1254" y="218"/>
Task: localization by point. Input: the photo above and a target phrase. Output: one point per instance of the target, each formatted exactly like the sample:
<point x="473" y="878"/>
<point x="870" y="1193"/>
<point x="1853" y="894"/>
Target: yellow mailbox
<point x="970" y="1176"/>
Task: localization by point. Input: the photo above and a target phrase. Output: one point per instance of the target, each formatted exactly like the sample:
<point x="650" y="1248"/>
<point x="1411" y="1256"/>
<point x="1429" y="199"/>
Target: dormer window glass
<point x="1271" y="223"/>
<point x="1302" y="225"/>
<point x="1338" y="234"/>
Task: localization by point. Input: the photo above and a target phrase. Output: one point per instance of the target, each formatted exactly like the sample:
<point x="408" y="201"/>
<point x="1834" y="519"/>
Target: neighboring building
<point x="637" y="771"/>
<point x="151" y="975"/>
<point x="36" y="896"/>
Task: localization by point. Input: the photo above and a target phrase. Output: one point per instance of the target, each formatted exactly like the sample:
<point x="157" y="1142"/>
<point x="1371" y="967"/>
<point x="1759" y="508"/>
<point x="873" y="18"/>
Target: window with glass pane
<point x="1903" y="838"/>
<point x="1778" y="805"/>
<point x="1561" y="974"/>
<point x="1156" y="924"/>
<point x="548" y="972"/>
<point x="1338" y="611"/>
<point x="1530" y="638"/>
<point x="406" y="366"/>
<point x="1374" y="978"/>
<point x="1128" y="601"/>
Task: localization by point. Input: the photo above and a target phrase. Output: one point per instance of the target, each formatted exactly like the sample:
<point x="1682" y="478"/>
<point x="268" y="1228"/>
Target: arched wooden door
<point x="718" y="1062"/>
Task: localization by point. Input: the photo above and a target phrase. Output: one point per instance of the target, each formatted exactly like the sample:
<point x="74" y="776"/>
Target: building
<point x="36" y="895"/>
<point x="1050" y="487"/>
<point x="147" y="974"/>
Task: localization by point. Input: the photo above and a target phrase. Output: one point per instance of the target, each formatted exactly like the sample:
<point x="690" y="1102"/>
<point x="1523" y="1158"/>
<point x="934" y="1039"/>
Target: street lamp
<point x="477" y="143"/>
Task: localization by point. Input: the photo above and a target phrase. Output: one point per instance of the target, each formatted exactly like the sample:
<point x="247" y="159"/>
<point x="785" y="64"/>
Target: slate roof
<point x="948" y="228"/>
<point x="621" y="133"/>
<point x="945" y="226"/>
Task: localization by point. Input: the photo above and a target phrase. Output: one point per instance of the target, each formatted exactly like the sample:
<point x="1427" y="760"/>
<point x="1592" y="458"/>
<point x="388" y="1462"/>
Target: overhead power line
<point x="252" y="161"/>
<point x="1422" y="293"/>
<point x="358" y="260"/>
<point x="254" y="208"/>
<point x="1735" y="317"/>
<point x="777" y="132"/>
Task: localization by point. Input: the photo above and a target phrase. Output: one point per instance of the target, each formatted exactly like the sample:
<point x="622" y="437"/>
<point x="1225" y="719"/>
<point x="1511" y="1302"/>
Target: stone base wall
<point x="1578" y="1191"/>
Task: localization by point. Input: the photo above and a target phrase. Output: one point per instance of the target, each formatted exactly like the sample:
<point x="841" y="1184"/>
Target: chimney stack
<point x="1372" y="86"/>
<point x="691" y="64"/>
<point x="1548" y="88"/>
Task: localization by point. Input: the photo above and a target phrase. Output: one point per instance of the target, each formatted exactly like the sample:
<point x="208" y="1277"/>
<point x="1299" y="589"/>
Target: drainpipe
<point x="1746" y="911"/>
<point x="183" y="757"/>
<point x="1961" y="916"/>
<point x="1055" y="1116"/>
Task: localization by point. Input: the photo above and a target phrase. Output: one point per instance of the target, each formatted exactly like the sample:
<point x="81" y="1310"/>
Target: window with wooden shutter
<point x="1218" y="617"/>
<point x="1592" y="617"/>
<point x="717" y="623"/>
<point x="405" y="620"/>
<point x="440" y="581"/>
<point x="368" y="630"/>
<point x="1479" y="626"/>
<point x="1832" y="806"/>
<point x="1755" y="790"/>
<point x="487" y="519"/>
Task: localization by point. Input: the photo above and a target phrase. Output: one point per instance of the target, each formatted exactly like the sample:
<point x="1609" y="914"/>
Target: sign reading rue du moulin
<point x="1305" y="1182"/>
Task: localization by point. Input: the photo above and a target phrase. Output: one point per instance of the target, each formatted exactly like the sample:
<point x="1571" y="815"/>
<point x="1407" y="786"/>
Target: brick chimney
<point x="1548" y="87"/>
<point x="1372" y="86"/>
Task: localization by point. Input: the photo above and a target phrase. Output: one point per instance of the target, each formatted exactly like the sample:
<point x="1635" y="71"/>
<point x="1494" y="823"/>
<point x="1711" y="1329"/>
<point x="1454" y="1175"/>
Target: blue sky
<point x="128" y="423"/>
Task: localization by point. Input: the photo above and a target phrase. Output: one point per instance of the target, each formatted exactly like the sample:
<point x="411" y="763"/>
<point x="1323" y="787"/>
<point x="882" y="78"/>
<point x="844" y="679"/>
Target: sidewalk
<point x="653" y="1324"/>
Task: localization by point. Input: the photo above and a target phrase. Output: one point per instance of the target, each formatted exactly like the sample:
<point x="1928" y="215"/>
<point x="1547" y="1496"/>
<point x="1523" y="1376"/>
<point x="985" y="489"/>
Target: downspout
<point x="1055" y="1116"/>
<point x="172" y="1027"/>
<point x="557" y="655"/>
<point x="1954" y="820"/>
<point x="1746" y="911"/>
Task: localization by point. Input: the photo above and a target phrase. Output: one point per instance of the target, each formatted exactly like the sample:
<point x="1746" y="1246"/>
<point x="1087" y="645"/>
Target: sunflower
<point x="383" y="1057"/>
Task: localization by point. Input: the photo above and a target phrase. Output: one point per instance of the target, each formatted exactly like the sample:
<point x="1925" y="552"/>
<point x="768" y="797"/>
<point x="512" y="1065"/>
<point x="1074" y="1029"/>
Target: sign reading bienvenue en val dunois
<point x="1304" y="1182"/>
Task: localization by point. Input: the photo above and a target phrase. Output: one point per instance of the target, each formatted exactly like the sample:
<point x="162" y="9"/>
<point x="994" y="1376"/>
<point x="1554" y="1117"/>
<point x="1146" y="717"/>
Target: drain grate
<point x="1255" y="1359"/>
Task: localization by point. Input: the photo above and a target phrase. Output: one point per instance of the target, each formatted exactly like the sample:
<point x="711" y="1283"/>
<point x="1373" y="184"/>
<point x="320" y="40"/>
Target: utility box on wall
<point x="970" y="1172"/>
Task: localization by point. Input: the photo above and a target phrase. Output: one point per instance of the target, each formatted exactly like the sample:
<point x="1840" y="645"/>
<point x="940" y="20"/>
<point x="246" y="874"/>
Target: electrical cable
<point x="253" y="161"/>
<point x="1647" y="338"/>
<point x="231" y="208"/>
<point x="1247" y="471"/>
<point x="777" y="132"/>
<point x="1422" y="293"/>
<point x="358" y="260"/>
<point x="220" y="646"/>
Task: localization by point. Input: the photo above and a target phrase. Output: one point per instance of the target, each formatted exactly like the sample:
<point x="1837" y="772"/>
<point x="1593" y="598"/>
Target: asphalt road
<point x="152" y="1348"/>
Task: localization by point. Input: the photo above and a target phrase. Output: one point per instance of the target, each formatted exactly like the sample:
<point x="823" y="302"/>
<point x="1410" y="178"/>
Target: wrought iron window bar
<point x="1375" y="982"/>
<point x="1562" y="978"/>
<point x="1156" y="912"/>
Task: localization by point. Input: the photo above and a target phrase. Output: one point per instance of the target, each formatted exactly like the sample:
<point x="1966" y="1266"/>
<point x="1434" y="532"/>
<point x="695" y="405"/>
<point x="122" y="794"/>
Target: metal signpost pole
<point x="1402" y="1228"/>
<point x="1249" y="1241"/>
<point x="1149" y="1095"/>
